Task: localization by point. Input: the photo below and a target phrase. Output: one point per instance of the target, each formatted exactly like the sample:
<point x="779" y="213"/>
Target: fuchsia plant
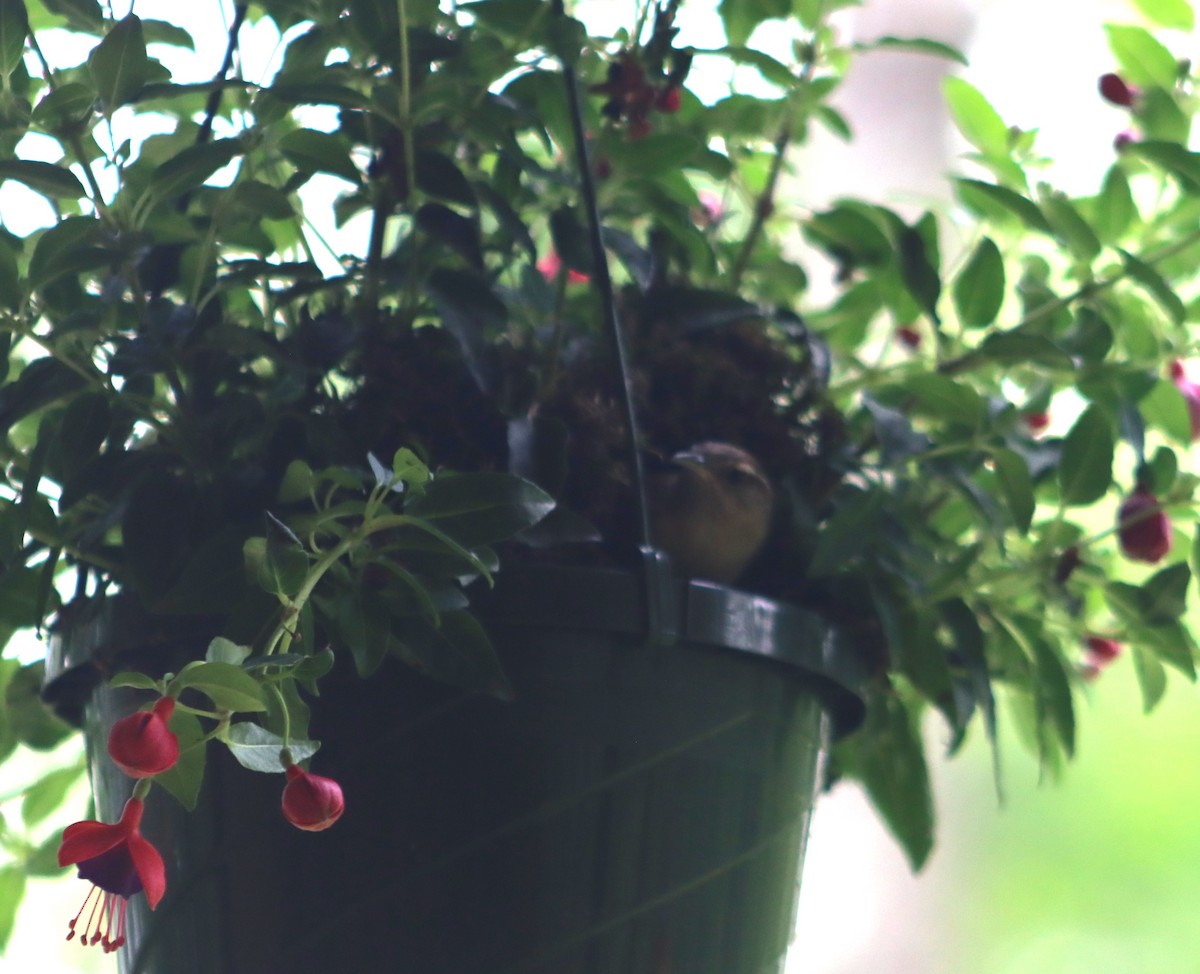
<point x="190" y="396"/>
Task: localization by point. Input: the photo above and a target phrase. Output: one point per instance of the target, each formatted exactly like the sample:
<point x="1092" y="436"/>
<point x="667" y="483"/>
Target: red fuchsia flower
<point x="1143" y="529"/>
<point x="1037" y="422"/>
<point x="551" y="265"/>
<point x="909" y="336"/>
<point x="141" y="744"/>
<point x="669" y="100"/>
<point x="1098" y="654"/>
<point x="118" y="862"/>
<point x="310" y="801"/>
<point x="1190" y="392"/>
<point x="1101" y="650"/>
<point x="1114" y="89"/>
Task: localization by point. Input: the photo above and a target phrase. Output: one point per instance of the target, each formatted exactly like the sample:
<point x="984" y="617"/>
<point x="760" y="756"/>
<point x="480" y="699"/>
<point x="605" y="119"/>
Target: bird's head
<point x="710" y="510"/>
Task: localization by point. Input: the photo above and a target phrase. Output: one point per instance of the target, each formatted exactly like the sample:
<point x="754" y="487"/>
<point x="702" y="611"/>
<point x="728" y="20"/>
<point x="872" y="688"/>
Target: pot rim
<point x="691" y="612"/>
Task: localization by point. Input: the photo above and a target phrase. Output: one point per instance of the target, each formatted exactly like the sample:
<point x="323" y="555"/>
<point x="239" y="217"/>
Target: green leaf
<point x="480" y="508"/>
<point x="222" y="650"/>
<point x="1115" y="209"/>
<point x="1085" y="470"/>
<point x="988" y="199"/>
<point x="298" y="482"/>
<point x="1157" y="286"/>
<point x="1174" y="14"/>
<point x="946" y="399"/>
<point x="888" y="757"/>
<point x="311" y="151"/>
<point x="1172" y="644"/>
<point x="1053" y="690"/>
<point x="776" y="72"/>
<point x="162" y="32"/>
<point x="46" y="794"/>
<point x="408" y="468"/>
<point x="975" y="118"/>
<point x="1144" y="60"/>
<point x="979" y="288"/>
<point x="69" y="247"/>
<point x="14" y="27"/>
<point x="278" y="566"/>
<point x="81" y="15"/>
<point x="740" y="17"/>
<point x="1026" y="347"/>
<point x="919" y="265"/>
<point x="364" y="627"/>
<point x="1012" y="473"/>
<point x="919" y="45"/>
<point x="65" y="110"/>
<point x="1165" y="409"/>
<point x="1174" y="158"/>
<point x="257" y="749"/>
<point x="1151" y="677"/>
<point x="8" y="738"/>
<point x="118" y="64"/>
<point x="457" y="651"/>
<point x="138" y="681"/>
<point x="228" y="686"/>
<point x="184" y="779"/>
<point x="33" y="722"/>
<point x="1164" y="594"/>
<point x="1069" y="226"/>
<point x="847" y="533"/>
<point x="12" y="891"/>
<point x="190" y="168"/>
<point x="50" y="180"/>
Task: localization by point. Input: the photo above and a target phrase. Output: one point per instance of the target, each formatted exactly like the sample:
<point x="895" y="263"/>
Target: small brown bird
<point x="710" y="510"/>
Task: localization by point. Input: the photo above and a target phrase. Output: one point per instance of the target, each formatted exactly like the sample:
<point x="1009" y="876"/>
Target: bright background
<point x="1098" y="875"/>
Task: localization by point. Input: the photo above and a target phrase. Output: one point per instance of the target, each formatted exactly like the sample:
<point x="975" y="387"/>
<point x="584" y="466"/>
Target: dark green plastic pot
<point x="641" y="807"/>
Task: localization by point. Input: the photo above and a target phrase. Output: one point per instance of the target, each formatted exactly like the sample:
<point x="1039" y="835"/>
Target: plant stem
<point x="763" y="206"/>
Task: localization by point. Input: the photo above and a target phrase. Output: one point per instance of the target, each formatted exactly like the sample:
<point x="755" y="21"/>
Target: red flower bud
<point x="1037" y="422"/>
<point x="1191" y="394"/>
<point x="141" y="744"/>
<point x="908" y="336"/>
<point x="669" y="100"/>
<point x="1142" y="528"/>
<point x="1114" y="89"/>
<point x="1124" y="139"/>
<point x="310" y="801"/>
<point x="1101" y="651"/>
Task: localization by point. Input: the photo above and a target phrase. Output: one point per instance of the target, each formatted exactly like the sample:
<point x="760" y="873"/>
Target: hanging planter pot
<point x="640" y="806"/>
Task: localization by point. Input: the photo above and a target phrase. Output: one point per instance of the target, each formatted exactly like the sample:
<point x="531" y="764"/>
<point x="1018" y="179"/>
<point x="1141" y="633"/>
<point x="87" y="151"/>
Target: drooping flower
<point x="1115" y="89"/>
<point x="311" y="801"/>
<point x="1098" y="654"/>
<point x="1143" y="529"/>
<point x="1101" y="650"/>
<point x="1191" y="394"/>
<point x="142" y="745"/>
<point x="908" y="336"/>
<point x="119" y="862"/>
